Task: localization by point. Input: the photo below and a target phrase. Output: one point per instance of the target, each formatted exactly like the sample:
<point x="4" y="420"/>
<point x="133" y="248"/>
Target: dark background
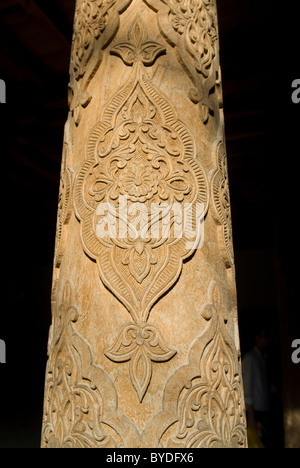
<point x="260" y="59"/>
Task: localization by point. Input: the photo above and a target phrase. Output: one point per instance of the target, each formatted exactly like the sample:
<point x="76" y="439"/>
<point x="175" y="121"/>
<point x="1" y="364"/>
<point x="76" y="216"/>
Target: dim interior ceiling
<point x="35" y="43"/>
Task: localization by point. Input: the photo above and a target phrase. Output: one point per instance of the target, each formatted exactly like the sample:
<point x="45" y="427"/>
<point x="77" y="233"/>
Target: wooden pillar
<point x="144" y="343"/>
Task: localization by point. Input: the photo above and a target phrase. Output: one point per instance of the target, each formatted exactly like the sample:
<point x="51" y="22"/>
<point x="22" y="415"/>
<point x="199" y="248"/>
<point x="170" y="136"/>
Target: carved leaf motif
<point x="211" y="411"/>
<point x="126" y="51"/>
<point x="73" y="405"/>
<point x="140" y="344"/>
<point x="138" y="48"/>
<point x="191" y="27"/>
<point x="96" y="21"/>
<point x="196" y="21"/>
<point x="150" y="51"/>
<point x="147" y="158"/>
<point x="140" y="158"/>
<point x="140" y="371"/>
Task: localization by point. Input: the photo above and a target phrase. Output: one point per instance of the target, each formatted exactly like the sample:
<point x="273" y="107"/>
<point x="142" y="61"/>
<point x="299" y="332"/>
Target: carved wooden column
<point x="144" y="343"/>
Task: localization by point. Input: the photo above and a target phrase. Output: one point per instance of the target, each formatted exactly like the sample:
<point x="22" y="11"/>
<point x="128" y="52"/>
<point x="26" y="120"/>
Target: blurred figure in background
<point x="257" y="388"/>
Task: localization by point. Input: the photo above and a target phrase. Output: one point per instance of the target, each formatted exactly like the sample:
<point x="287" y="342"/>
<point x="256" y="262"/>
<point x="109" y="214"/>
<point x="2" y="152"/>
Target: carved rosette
<point x="221" y="205"/>
<point x="143" y="157"/>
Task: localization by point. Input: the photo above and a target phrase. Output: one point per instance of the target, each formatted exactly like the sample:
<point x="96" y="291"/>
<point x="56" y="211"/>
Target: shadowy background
<point x="259" y="58"/>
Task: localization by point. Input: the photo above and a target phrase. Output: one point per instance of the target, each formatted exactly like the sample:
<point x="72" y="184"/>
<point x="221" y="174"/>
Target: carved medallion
<point x="139" y="175"/>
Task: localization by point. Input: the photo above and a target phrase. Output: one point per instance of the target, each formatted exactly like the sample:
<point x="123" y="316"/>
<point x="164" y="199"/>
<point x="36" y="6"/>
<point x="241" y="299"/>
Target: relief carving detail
<point x="190" y="26"/>
<point x="81" y="401"/>
<point x="211" y="408"/>
<point x="96" y="22"/>
<point x="64" y="211"/>
<point x="221" y="205"/>
<point x="73" y="406"/>
<point x="133" y="186"/>
<point x="203" y="403"/>
<point x="142" y="156"/>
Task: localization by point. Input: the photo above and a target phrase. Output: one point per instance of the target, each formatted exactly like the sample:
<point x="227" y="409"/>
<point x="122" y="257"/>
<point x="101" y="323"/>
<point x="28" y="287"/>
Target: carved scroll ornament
<point x="203" y="400"/>
<point x="190" y="26"/>
<point x="139" y="172"/>
<point x="81" y="402"/>
<point x="96" y="22"/>
<point x="73" y="408"/>
<point x="211" y="410"/>
<point x="143" y="154"/>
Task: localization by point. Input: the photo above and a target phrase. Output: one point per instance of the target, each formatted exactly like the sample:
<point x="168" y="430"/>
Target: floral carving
<point x="203" y="401"/>
<point x="138" y="47"/>
<point x="96" y="22"/>
<point x="143" y="156"/>
<point x="211" y="411"/>
<point x="73" y="406"/>
<point x="191" y="27"/>
<point x="140" y="344"/>
<point x="138" y="183"/>
<point x="221" y="205"/>
<point x="196" y="21"/>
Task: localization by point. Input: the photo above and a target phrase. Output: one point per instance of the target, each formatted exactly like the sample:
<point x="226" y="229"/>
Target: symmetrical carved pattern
<point x="138" y="48"/>
<point x="210" y="410"/>
<point x="73" y="408"/>
<point x="221" y="205"/>
<point x="191" y="27"/>
<point x="96" y="22"/>
<point x="140" y="345"/>
<point x="143" y="154"/>
<point x="139" y="174"/>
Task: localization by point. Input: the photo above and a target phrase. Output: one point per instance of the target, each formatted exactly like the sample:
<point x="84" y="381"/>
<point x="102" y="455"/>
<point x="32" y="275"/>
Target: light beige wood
<point x="144" y="343"/>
